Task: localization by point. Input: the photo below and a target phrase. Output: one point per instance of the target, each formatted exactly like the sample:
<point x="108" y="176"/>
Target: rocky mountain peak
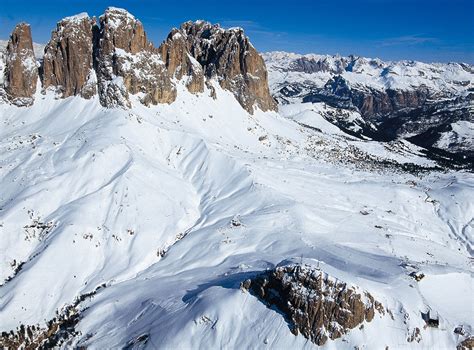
<point x="68" y="58"/>
<point x="224" y="54"/>
<point x="21" y="71"/>
<point x="175" y="52"/>
<point x="115" y="59"/>
<point x="121" y="30"/>
<point x="128" y="63"/>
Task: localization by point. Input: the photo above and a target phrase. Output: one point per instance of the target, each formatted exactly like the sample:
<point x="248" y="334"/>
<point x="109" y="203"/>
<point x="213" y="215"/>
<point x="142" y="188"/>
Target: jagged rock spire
<point x="179" y="62"/>
<point x="68" y="58"/>
<point x="226" y="55"/>
<point x="128" y="63"/>
<point x="115" y="60"/>
<point x="121" y="30"/>
<point x="21" y="71"/>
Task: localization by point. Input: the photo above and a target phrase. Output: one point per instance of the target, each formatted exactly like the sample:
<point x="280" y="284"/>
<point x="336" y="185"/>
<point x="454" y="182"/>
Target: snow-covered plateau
<point x="138" y="227"/>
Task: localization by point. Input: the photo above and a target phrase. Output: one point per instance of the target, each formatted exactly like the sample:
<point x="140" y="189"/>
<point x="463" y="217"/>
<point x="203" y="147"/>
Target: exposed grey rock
<point x="307" y="65"/>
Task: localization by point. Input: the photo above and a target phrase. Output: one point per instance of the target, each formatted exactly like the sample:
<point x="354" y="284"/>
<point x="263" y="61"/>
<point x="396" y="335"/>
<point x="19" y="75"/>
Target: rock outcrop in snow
<point x="21" y="72"/>
<point x="68" y="59"/>
<point x="316" y="305"/>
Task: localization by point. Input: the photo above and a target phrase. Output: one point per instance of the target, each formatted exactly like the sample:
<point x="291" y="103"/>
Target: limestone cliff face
<point x="373" y="104"/>
<point x="180" y="63"/>
<point x="114" y="59"/>
<point x="121" y="30"/>
<point x="226" y="55"/>
<point x="21" y="72"/>
<point x="128" y="63"/>
<point x="68" y="58"/>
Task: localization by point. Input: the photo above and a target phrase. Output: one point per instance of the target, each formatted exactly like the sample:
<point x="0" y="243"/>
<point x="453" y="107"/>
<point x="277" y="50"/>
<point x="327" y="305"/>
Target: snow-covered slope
<point x="159" y="198"/>
<point x="147" y="220"/>
<point x="461" y="134"/>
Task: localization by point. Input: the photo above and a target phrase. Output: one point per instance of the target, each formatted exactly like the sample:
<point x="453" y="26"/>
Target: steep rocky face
<point x="374" y="104"/>
<point x="336" y="93"/>
<point x="315" y="304"/>
<point x="122" y="30"/>
<point x="68" y="58"/>
<point x="175" y="52"/>
<point x="333" y="64"/>
<point x="115" y="60"/>
<point x="226" y="55"/>
<point x="21" y="72"/>
<point x="128" y="63"/>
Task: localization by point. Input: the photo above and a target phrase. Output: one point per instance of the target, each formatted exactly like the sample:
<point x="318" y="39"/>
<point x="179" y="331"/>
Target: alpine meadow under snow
<point x="171" y="198"/>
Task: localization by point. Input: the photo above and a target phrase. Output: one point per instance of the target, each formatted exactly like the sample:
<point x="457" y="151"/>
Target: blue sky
<point x="436" y="30"/>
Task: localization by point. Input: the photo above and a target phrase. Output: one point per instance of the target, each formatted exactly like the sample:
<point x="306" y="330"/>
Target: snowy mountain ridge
<point x="369" y="71"/>
<point x="153" y="241"/>
<point x="422" y="103"/>
<point x="183" y="208"/>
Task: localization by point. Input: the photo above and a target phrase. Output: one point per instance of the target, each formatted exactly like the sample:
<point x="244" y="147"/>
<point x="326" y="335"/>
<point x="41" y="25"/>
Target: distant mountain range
<point x="431" y="105"/>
